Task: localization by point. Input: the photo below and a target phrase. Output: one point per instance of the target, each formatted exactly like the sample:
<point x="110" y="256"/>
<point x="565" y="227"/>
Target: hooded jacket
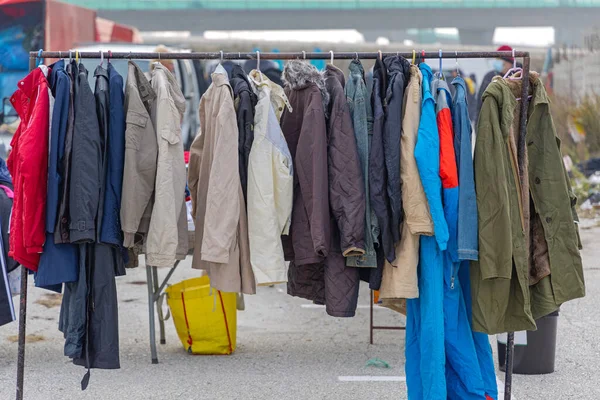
<point x="362" y="121"/>
<point x="398" y="69"/>
<point x="498" y="199"/>
<point x="270" y="184"/>
<point x="58" y="262"/>
<point x="28" y="165"/>
<point x="221" y="241"/>
<point x="141" y="153"/>
<point x="167" y="238"/>
<point x="305" y="131"/>
<point x="245" y="103"/>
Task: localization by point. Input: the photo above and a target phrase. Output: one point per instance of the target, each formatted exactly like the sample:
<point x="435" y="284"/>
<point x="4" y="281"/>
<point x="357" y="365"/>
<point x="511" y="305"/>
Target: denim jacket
<point x="362" y="119"/>
<point x="467" y="202"/>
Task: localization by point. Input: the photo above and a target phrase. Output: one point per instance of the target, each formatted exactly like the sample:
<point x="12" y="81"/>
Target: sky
<point x="513" y="36"/>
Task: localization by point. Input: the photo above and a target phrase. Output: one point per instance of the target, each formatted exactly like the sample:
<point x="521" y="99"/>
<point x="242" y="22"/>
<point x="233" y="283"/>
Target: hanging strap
<point x="226" y="324"/>
<point x="187" y="324"/>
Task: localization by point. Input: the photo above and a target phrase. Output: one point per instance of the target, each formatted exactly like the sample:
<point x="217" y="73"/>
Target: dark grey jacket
<point x="398" y="69"/>
<point x="245" y="101"/>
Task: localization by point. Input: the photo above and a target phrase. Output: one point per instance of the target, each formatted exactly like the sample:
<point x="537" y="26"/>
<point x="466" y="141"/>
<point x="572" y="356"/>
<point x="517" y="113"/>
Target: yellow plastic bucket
<point x="205" y="318"/>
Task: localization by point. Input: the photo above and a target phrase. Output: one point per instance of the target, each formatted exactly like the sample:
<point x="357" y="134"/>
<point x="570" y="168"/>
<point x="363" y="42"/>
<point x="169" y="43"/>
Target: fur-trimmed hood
<point x="298" y="75"/>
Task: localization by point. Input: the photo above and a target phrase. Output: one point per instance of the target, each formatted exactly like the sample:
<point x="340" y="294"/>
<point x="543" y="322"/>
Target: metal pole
<point x="153" y="354"/>
<point x="23" y="311"/>
<point x="283" y="56"/>
<point x="521" y="159"/>
<point x="371" y="318"/>
<point x="156" y="294"/>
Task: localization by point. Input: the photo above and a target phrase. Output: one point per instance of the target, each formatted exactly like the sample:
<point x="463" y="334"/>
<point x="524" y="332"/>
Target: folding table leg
<point x="151" y="314"/>
<point x="161" y="322"/>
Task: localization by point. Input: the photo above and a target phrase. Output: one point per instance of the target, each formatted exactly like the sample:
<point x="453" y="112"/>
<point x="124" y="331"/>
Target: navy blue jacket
<point x="58" y="263"/>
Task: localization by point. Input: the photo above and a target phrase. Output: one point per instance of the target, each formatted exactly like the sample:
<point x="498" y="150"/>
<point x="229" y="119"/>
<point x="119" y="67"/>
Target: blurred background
<point x="563" y="37"/>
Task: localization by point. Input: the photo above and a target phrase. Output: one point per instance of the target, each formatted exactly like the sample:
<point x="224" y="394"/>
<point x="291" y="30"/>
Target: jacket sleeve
<point x="139" y="172"/>
<point x="34" y="172"/>
<point x="493" y="198"/>
<point x="312" y="176"/>
<point x="162" y="241"/>
<point x="194" y="169"/>
<point x="346" y="186"/>
<point x="223" y="203"/>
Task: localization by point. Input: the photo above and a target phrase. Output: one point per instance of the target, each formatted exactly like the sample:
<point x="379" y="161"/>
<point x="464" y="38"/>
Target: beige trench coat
<point x="221" y="244"/>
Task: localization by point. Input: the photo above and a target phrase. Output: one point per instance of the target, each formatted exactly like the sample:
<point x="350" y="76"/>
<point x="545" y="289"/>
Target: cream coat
<point x="167" y="236"/>
<point x="270" y="184"/>
<point x="400" y="277"/>
<point x="221" y="243"/>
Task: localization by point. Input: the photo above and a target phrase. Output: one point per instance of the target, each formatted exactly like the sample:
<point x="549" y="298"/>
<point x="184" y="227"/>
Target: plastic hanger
<point x="512" y="74"/>
<point x="38" y="58"/>
<point x="109" y="56"/>
<point x="70" y="56"/>
<point x="457" y="67"/>
<point x="380" y="55"/>
<point x="77" y="56"/>
<point x="440" y="71"/>
<point x="258" y="65"/>
<point x="414" y="57"/>
<point x="331" y="52"/>
<point x="304" y="54"/>
<point x="101" y="58"/>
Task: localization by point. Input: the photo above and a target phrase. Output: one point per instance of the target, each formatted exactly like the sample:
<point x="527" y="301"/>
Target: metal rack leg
<point x="161" y="322"/>
<point x="151" y="315"/>
<point x="371" y="318"/>
<point x="510" y="347"/>
<point x="22" y="332"/>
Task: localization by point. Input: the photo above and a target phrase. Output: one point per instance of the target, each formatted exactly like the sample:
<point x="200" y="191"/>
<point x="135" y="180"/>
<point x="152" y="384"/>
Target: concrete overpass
<point x="475" y="19"/>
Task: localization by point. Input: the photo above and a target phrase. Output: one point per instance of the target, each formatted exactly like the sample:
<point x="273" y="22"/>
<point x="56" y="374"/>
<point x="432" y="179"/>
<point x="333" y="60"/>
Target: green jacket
<point x="503" y="301"/>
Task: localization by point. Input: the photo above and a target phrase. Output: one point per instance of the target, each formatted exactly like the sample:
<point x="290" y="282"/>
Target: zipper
<point x="453" y="276"/>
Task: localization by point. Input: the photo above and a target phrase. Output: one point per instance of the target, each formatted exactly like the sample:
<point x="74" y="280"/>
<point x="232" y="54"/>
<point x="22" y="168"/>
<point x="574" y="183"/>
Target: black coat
<point x="378" y="179"/>
<point x="245" y="102"/>
<point x="398" y="69"/>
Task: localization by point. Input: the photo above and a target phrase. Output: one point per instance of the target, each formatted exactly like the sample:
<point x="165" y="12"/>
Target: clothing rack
<point x="420" y="56"/>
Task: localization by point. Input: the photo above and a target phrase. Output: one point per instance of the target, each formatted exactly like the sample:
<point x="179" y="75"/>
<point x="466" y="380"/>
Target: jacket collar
<point x="101" y="71"/>
<point x="25" y="89"/>
<point x="172" y="86"/>
<point x="356" y="68"/>
<point x="219" y="79"/>
<point x="277" y="93"/>
<point x="140" y="81"/>
<point x="56" y="69"/>
<point x="459" y="82"/>
<point x="427" y="75"/>
<point x="397" y="65"/>
<point x="299" y="75"/>
<point x="336" y="73"/>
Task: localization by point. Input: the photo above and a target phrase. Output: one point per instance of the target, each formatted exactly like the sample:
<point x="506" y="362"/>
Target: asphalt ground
<point x="287" y="349"/>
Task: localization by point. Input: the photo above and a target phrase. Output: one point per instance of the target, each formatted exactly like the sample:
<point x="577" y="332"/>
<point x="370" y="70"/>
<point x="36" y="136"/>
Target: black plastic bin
<point x="538" y="356"/>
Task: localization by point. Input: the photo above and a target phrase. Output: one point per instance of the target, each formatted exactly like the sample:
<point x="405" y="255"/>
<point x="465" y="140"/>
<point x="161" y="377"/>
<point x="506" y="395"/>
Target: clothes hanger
<point x="101" y="58"/>
<point x="457" y="67"/>
<point x="414" y="57"/>
<point x="38" y="58"/>
<point x="77" y="56"/>
<point x="380" y="55"/>
<point x="331" y="52"/>
<point x="109" y="56"/>
<point x="440" y="73"/>
<point x="70" y="56"/>
<point x="304" y="55"/>
<point x="258" y="65"/>
<point x="512" y="74"/>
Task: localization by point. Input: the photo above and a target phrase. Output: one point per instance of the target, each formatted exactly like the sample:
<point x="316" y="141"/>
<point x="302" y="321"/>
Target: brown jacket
<point x="221" y="243"/>
<point x="306" y="135"/>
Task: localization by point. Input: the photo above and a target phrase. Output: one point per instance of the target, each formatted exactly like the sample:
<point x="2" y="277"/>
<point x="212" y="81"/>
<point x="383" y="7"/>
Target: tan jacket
<point x="270" y="184"/>
<point x="167" y="238"/>
<point x="400" y="277"/>
<point x="221" y="245"/>
<point x="141" y="152"/>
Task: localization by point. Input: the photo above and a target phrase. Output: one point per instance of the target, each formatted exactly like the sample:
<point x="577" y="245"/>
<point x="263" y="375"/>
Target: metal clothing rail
<point x="153" y="289"/>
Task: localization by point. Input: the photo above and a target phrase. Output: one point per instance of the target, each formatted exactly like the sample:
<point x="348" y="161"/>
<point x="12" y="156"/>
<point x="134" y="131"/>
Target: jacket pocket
<point x="136" y="126"/>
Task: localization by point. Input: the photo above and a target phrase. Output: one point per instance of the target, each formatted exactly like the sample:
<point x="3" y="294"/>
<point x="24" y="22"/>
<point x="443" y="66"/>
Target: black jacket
<point x="245" y="102"/>
<point x="398" y="69"/>
<point x="378" y="179"/>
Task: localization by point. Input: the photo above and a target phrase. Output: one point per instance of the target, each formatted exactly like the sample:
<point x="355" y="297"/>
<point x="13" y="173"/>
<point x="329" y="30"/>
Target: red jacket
<point x="28" y="165"/>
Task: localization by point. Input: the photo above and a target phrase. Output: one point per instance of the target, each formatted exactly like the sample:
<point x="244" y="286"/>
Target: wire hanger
<point x="221" y="51"/>
<point x="331" y="52"/>
<point x="356" y="56"/>
<point x="440" y="71"/>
